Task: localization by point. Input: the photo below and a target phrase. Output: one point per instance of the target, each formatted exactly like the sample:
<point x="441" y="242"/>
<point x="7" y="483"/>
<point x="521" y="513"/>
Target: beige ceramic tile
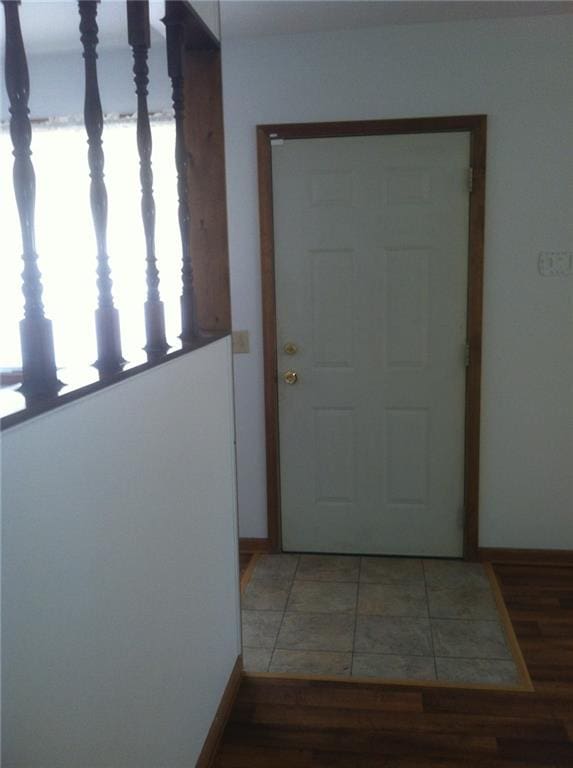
<point x="393" y="600"/>
<point x="469" y="639"/>
<point x="317" y="631"/>
<point x="450" y="574"/>
<point x="311" y="662"/>
<point x="391" y="635"/>
<point x="322" y="597"/>
<point x="266" y="594"/>
<point x="462" y="603"/>
<point x="328" y="568"/>
<point x="283" y="566"/>
<point x="393" y="666"/>
<point x="257" y="659"/>
<point x="485" y="671"/>
<point x="391" y="570"/>
<point x="260" y="628"/>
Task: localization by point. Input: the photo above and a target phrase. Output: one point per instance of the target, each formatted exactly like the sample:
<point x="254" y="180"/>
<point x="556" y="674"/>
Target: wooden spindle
<point x="39" y="376"/>
<point x="174" y="24"/>
<point x="139" y="40"/>
<point x="110" y="359"/>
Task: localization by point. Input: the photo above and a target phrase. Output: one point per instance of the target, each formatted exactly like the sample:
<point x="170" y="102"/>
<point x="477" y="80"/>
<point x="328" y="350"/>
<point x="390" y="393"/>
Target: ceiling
<point x="52" y="25"/>
<point x="247" y="18"/>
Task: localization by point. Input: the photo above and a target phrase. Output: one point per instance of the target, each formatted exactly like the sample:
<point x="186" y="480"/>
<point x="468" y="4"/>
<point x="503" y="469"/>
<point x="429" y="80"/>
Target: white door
<point x="371" y="249"/>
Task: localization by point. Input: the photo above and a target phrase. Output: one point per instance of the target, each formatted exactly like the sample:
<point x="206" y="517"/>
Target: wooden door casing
<point x="476" y="125"/>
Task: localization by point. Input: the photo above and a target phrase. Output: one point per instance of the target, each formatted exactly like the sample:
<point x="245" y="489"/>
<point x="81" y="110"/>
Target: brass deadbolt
<point x="290" y="348"/>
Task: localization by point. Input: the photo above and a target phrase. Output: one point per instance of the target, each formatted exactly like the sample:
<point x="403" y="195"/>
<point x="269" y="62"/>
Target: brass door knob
<point x="290" y="348"/>
<point x="290" y="377"/>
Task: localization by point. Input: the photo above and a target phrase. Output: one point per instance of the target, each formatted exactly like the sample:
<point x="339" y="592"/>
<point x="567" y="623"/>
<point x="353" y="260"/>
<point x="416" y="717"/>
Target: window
<point x="65" y="239"/>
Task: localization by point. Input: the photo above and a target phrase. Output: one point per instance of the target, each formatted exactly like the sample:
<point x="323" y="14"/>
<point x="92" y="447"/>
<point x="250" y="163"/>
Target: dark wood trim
<point x="511" y="637"/>
<point x="211" y="744"/>
<point x="373" y="127"/>
<point x="266" y="224"/>
<point x="476" y="125"/>
<point x="252" y="546"/>
<point x="205" y="141"/>
<point x="18" y="417"/>
<point x="474" y="337"/>
<point x="556" y="557"/>
<point x="357" y="683"/>
<point x="248" y="572"/>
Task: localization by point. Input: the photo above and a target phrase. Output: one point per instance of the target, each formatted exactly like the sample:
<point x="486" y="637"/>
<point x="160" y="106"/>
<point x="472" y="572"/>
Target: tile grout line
<point x="448" y="658"/>
<point x="477" y="658"/>
<point x="353" y="650"/>
<point x="284" y="612"/>
<point x="314" y="580"/>
<point x="429" y="619"/>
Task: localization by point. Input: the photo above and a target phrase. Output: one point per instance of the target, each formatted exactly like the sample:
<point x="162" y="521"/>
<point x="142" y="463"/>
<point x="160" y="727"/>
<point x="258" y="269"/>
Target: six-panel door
<point x="371" y="252"/>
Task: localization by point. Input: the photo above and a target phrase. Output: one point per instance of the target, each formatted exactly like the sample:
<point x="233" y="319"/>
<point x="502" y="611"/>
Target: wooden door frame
<point x="476" y="126"/>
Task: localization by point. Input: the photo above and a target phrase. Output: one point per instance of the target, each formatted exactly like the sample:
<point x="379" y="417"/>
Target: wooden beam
<point x="205" y="143"/>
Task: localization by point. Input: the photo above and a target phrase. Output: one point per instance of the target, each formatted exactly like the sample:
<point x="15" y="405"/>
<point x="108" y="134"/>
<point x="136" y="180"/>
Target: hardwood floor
<point x="302" y="724"/>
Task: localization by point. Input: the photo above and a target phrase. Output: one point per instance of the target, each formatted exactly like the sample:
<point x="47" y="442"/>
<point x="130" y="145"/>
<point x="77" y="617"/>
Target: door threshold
<point x="524" y="686"/>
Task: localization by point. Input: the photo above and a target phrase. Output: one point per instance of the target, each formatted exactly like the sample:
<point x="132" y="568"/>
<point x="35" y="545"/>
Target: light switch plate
<point x="241" y="344"/>
<point x="555" y="263"/>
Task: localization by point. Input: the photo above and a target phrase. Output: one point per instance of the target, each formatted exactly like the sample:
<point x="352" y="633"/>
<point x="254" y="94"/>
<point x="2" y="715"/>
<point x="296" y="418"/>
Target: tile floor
<point x="378" y="617"/>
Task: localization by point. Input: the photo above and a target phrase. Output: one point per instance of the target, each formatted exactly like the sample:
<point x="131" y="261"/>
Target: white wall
<point x="518" y="72"/>
<point x="120" y="602"/>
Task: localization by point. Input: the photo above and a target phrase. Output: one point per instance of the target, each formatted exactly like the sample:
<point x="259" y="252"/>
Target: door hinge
<point x="467" y="352"/>
<point x="470" y="179"/>
<point x="462" y="517"/>
<point x="276" y="142"/>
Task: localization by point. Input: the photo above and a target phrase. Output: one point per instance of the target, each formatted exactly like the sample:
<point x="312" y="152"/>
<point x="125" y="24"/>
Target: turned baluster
<point x="139" y="40"/>
<point x="110" y="359"/>
<point x="39" y="376"/>
<point x="174" y="25"/>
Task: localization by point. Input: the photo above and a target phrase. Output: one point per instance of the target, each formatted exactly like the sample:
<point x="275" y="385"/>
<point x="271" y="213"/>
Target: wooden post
<point x="39" y="376"/>
<point x="110" y="359"/>
<point x="174" y="24"/>
<point x="139" y="40"/>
